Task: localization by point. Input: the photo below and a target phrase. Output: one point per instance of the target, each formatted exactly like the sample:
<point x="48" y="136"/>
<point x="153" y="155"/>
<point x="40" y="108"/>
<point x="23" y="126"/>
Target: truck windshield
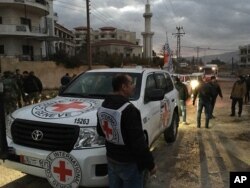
<point x="98" y="85"/>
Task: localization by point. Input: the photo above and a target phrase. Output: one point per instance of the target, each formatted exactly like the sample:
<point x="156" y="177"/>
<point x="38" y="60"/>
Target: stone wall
<point x="49" y="73"/>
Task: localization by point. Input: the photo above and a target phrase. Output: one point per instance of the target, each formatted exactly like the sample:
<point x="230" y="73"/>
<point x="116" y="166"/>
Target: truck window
<point x="169" y="83"/>
<point x="99" y="84"/>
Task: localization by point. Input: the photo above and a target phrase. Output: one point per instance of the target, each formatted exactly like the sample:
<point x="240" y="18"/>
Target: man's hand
<point x="153" y="171"/>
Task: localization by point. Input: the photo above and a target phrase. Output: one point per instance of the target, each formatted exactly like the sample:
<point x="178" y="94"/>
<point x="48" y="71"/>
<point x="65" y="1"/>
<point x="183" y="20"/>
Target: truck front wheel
<point x="170" y="133"/>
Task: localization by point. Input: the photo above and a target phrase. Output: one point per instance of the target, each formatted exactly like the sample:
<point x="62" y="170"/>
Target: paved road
<point x="199" y="157"/>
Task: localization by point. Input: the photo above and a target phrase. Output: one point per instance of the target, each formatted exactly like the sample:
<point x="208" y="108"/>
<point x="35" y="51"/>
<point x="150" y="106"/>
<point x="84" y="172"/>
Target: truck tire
<point x="170" y="133"/>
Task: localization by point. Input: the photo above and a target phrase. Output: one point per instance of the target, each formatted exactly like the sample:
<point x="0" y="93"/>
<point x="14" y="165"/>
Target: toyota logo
<point x="37" y="135"/>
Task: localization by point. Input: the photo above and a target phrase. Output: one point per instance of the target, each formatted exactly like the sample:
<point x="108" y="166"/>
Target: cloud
<point x="214" y="24"/>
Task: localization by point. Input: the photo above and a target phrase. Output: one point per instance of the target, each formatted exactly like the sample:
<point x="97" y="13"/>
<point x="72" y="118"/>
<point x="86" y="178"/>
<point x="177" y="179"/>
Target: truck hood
<point x="62" y="110"/>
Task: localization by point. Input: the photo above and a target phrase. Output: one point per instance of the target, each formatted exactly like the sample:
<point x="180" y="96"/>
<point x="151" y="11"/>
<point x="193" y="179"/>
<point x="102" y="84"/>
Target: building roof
<point x="80" y="28"/>
<point x="108" y="28"/>
<point x="59" y="26"/>
<point x="113" y="42"/>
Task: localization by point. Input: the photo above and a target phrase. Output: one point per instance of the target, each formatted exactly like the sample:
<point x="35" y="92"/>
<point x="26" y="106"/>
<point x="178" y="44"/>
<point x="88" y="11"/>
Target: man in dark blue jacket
<point x="204" y="93"/>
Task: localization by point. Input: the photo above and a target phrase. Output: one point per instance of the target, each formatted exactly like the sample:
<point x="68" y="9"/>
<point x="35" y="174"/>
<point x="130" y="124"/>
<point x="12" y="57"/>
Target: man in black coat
<point x="216" y="90"/>
<point x="32" y="86"/>
<point x="204" y="93"/>
<point x="119" y="121"/>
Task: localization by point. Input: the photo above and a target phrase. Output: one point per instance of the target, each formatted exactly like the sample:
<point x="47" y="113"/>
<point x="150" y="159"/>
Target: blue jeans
<point x="124" y="175"/>
<point x="182" y="104"/>
<point x="207" y="105"/>
<point x="234" y="102"/>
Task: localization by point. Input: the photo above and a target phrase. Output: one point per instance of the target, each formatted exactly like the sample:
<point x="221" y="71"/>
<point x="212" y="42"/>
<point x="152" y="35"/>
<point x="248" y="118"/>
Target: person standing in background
<point x="216" y="90"/>
<point x="237" y="94"/>
<point x="65" y="79"/>
<point x="19" y="81"/>
<point x="33" y="87"/>
<point x="10" y="92"/>
<point x="247" y="96"/>
<point x="183" y="96"/>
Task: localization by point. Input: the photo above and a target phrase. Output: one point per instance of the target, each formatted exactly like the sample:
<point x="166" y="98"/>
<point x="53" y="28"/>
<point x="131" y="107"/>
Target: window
<point x="160" y="81"/>
<point x="25" y="50"/>
<point x="150" y="85"/>
<point x="169" y="83"/>
<point x="1" y="49"/>
<point x="26" y="21"/>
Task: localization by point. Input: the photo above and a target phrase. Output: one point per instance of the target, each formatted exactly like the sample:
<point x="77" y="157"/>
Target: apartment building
<point x="244" y="55"/>
<point x="110" y="40"/>
<point x="65" y="40"/>
<point x="29" y="31"/>
<point x="26" y="29"/>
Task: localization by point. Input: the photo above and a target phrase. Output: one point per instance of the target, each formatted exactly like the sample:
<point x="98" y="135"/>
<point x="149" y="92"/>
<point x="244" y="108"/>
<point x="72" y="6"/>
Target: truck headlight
<point x="89" y="138"/>
<point x="8" y="122"/>
<point x="194" y="84"/>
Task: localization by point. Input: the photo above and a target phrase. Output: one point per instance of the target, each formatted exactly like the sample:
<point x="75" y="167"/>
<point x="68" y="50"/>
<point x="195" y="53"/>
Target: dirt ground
<point x="199" y="157"/>
<point x="204" y="157"/>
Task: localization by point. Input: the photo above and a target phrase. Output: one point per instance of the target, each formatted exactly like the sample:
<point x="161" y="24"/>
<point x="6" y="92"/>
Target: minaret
<point x="147" y="34"/>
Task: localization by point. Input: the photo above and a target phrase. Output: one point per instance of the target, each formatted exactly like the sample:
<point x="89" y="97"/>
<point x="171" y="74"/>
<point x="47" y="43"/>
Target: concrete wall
<point x="49" y="73"/>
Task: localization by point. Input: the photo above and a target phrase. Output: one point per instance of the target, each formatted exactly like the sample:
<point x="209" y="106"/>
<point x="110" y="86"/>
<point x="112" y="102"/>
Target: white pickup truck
<point x="56" y="139"/>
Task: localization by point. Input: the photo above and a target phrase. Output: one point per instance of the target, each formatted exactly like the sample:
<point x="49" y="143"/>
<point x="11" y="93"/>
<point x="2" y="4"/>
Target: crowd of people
<point x="207" y="93"/>
<point x="20" y="89"/>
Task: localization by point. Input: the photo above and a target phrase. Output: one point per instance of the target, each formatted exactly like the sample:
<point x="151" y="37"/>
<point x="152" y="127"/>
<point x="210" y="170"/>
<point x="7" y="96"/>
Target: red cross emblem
<point x="106" y="129"/>
<point x="62" y="171"/>
<point x="63" y="107"/>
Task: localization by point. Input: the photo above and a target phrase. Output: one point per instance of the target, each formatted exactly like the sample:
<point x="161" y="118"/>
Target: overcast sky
<point x="208" y="24"/>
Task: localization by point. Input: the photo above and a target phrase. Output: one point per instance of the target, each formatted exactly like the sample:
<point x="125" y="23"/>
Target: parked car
<point x="57" y="139"/>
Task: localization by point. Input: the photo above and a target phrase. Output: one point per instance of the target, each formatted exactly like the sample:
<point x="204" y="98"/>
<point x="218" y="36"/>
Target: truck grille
<point x="56" y="137"/>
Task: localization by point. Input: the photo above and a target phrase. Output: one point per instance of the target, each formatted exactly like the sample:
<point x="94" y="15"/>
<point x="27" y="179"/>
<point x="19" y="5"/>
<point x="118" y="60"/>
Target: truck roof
<point x="126" y="70"/>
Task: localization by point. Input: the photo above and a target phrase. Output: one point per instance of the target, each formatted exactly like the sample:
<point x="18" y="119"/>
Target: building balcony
<point x="22" y="30"/>
<point x="39" y="6"/>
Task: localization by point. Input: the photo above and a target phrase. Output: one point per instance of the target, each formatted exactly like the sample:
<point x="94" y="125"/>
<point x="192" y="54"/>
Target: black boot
<point x="206" y="123"/>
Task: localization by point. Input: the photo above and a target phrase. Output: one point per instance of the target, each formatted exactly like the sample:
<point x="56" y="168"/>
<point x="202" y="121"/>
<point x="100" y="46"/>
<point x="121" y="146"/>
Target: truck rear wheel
<point x="170" y="133"/>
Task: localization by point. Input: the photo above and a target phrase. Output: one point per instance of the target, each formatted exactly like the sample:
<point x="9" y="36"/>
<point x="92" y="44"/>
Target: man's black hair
<point x="118" y="80"/>
<point x="213" y="78"/>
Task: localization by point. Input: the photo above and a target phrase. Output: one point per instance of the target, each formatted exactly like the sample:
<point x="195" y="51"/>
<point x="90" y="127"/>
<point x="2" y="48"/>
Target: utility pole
<point x="198" y="50"/>
<point x="232" y="66"/>
<point x="179" y="34"/>
<point x="89" y="54"/>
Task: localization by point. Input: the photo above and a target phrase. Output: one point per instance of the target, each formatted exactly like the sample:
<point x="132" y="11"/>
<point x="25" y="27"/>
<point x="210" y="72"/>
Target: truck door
<point x="151" y="110"/>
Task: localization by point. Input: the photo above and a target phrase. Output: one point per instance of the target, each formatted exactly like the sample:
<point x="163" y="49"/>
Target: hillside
<point x="225" y="57"/>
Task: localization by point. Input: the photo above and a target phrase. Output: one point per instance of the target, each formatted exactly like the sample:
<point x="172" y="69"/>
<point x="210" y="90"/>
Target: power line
<point x="208" y="48"/>
<point x="67" y="4"/>
<point x="179" y="34"/>
<point x="105" y="18"/>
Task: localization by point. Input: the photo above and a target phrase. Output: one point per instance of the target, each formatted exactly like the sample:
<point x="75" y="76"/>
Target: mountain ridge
<point x="225" y="57"/>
